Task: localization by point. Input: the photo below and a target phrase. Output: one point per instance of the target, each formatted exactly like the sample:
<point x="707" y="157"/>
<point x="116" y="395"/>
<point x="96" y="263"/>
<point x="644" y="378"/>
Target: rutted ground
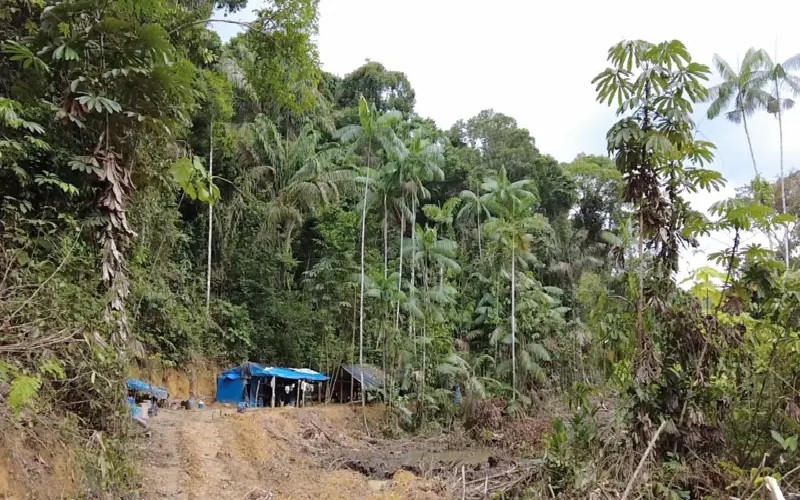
<point x="323" y="452"/>
<point x="274" y="453"/>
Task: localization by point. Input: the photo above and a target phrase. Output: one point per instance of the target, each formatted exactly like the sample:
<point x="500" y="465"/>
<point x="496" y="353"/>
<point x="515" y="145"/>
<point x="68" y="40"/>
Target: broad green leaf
<point x="777" y="437"/>
<point x="23" y="389"/>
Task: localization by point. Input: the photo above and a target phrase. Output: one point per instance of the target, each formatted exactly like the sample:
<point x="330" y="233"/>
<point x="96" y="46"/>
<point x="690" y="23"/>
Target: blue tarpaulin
<point x="311" y="375"/>
<point x="255" y="370"/>
<point x="231" y="383"/>
<point x="230" y="390"/>
<point x="134" y="384"/>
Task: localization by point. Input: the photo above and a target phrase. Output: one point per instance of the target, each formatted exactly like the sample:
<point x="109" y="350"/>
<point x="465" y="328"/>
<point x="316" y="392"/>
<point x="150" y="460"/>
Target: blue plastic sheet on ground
<point x="135" y="384"/>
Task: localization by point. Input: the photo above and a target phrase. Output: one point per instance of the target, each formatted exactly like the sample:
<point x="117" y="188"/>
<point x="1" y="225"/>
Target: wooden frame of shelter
<point x="345" y="383"/>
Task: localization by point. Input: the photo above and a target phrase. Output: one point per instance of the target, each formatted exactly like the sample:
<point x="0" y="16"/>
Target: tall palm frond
<point x="741" y="90"/>
<point x="784" y="83"/>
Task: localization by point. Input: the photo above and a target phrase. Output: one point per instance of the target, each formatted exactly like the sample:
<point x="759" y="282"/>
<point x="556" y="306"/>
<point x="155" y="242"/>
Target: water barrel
<point x="191" y="404"/>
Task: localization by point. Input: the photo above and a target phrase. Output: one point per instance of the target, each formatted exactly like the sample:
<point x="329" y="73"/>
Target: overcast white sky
<point x="535" y="61"/>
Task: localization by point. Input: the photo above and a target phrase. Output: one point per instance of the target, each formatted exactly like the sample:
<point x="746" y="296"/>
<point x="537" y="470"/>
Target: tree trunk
<point x="480" y="246"/>
<point x="750" y="145"/>
<point x="210" y="216"/>
<point x="758" y="175"/>
<point x="412" y="280"/>
<point x="640" y="342"/>
<point x="400" y="270"/>
<point x="352" y="348"/>
<point x="385" y="239"/>
<point x="424" y="341"/>
<point x="361" y="300"/>
<point x="478" y="220"/>
<point x="513" y="325"/>
<point x="783" y="180"/>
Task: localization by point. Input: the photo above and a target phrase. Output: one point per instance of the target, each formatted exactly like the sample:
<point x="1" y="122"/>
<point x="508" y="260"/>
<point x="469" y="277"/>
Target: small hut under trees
<point x="345" y="385"/>
<point x="258" y="385"/>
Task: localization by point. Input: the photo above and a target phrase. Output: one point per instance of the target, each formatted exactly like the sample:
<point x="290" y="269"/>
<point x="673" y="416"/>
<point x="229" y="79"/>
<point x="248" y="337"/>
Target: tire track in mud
<point x="163" y="472"/>
<point x="190" y="456"/>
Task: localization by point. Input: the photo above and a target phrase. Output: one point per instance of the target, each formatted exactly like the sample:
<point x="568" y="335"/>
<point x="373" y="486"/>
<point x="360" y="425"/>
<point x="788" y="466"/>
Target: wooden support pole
<point x="639" y="467"/>
<point x="272" y="401"/>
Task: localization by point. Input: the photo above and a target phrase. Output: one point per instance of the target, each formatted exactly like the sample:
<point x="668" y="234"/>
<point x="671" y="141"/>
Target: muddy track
<point x="187" y="458"/>
<point x="268" y="454"/>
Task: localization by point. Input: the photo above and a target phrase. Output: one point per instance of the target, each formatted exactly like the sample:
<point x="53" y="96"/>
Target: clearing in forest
<point x="308" y="453"/>
<point x="275" y="453"/>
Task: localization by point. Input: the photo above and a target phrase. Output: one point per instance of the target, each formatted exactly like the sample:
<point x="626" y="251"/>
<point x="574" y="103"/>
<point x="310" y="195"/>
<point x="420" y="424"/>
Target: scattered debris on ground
<point x="322" y="452"/>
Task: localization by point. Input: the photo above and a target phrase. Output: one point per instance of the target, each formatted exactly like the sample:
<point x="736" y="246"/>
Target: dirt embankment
<point x="36" y="465"/>
<point x="196" y="379"/>
<point x="323" y="452"/>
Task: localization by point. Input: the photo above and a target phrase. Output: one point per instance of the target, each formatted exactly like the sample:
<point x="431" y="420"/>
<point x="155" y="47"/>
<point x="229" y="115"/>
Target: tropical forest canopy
<point x="166" y="196"/>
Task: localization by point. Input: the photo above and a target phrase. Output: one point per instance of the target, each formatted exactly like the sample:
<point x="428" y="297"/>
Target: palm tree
<point x="372" y="130"/>
<point x="743" y="90"/>
<point x="423" y="164"/>
<point x="384" y="289"/>
<point x="245" y="98"/>
<point x="473" y="209"/>
<point x="394" y="195"/>
<point x="512" y="205"/>
<point x="390" y="192"/>
<point x="431" y="251"/>
<point x="783" y="83"/>
<point x="316" y="182"/>
<point x="297" y="179"/>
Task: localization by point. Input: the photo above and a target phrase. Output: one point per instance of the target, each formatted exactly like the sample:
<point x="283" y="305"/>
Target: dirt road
<point x="266" y="454"/>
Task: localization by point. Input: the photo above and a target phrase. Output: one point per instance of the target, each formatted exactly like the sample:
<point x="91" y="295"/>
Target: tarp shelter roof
<point x="373" y="377"/>
<point x="309" y="374"/>
<point x="245" y="370"/>
<point x="256" y="370"/>
<point x="135" y="384"/>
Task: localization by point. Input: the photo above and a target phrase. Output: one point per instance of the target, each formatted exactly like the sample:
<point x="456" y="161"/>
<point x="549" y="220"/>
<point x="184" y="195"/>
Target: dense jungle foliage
<point x="166" y="196"/>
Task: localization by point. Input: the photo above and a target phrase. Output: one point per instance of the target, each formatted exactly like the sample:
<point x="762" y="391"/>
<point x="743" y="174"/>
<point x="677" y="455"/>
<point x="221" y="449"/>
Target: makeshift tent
<point x="347" y="382"/>
<point x="134" y="384"/>
<point x="243" y="383"/>
<point x="372" y="376"/>
<point x="230" y="387"/>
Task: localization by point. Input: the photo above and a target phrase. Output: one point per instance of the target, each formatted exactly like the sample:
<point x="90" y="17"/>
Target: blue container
<point x="136" y="412"/>
<point x="201" y="405"/>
